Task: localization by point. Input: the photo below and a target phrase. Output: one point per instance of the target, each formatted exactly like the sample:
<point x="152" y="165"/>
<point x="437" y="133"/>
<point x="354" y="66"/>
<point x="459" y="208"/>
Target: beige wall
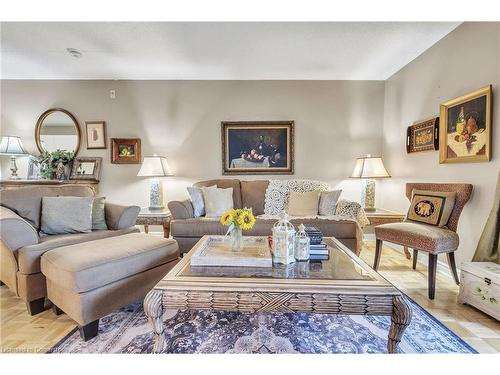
<point x="465" y="60"/>
<point x="335" y="122"/>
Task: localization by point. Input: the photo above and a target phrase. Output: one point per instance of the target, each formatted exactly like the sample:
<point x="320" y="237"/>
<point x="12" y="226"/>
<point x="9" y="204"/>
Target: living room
<point x="136" y="154"/>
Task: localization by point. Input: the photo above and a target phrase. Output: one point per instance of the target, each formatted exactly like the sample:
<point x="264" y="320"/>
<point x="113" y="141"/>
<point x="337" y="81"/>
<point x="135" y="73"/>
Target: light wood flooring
<point x="20" y="332"/>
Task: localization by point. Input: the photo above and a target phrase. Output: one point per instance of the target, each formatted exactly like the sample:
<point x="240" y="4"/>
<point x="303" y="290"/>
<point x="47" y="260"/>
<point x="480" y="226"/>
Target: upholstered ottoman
<point x="90" y="280"/>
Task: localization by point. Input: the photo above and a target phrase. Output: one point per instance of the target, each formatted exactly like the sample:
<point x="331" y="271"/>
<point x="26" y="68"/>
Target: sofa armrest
<point x="15" y="232"/>
<point x="120" y="217"/>
<point x="181" y="210"/>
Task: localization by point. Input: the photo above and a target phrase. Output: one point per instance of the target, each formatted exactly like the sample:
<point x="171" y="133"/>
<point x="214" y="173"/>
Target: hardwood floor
<point x="20" y="332"/>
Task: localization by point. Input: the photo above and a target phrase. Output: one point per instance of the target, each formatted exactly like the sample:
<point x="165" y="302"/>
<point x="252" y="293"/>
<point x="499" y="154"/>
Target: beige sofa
<point x="187" y="229"/>
<point x="21" y="247"/>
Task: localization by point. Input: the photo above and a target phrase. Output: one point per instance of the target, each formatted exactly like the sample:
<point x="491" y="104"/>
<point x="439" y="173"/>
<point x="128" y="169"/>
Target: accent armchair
<point x="429" y="238"/>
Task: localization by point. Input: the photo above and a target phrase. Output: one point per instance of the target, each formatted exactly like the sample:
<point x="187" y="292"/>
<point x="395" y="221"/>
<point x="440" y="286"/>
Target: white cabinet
<point x="480" y="287"/>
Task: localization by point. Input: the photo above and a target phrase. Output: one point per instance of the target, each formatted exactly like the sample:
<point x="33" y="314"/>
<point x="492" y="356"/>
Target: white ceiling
<point x="212" y="50"/>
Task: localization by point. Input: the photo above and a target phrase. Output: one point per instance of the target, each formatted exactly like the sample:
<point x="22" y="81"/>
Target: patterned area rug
<point x="128" y="331"/>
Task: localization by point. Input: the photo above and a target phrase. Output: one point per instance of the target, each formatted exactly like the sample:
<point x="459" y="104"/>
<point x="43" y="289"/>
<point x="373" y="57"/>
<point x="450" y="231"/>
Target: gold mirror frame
<point x="39" y="124"/>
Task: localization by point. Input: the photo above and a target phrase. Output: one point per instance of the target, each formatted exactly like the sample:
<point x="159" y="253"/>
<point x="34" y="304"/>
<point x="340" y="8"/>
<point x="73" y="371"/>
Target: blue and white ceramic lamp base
<point x="156" y="195"/>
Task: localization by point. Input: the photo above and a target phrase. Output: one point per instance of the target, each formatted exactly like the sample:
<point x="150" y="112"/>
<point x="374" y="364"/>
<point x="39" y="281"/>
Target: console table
<point x="149" y="217"/>
<point x="383" y="216"/>
<point x="12" y="184"/>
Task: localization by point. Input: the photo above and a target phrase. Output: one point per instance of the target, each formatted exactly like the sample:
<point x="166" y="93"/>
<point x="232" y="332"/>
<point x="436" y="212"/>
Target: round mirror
<point x="57" y="129"/>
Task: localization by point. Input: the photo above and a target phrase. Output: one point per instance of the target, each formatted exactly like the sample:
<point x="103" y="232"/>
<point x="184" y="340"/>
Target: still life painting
<point x="465" y="130"/>
<point x="125" y="150"/>
<point x="257" y="147"/>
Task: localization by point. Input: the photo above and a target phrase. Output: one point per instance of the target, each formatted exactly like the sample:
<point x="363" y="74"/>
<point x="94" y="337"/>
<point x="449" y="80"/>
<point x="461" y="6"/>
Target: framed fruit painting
<point x="126" y="151"/>
<point x="465" y="128"/>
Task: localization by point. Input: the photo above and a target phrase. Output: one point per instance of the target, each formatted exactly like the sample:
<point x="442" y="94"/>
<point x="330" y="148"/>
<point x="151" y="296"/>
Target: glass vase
<point x="236" y="239"/>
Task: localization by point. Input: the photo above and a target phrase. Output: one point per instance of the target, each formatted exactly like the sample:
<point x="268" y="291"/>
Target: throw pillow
<point x="62" y="215"/>
<point x="328" y="202"/>
<point x="303" y="203"/>
<point x="217" y="201"/>
<point x="431" y="207"/>
<point x="197" y="200"/>
<point x="98" y="215"/>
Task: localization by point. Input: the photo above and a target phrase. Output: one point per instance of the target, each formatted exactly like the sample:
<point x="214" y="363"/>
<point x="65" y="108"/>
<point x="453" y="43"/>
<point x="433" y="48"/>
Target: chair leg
<point x="453" y="267"/>
<point x="378" y="252"/>
<point x="432" y="275"/>
<point x="89" y="331"/>
<point x="415" y="258"/>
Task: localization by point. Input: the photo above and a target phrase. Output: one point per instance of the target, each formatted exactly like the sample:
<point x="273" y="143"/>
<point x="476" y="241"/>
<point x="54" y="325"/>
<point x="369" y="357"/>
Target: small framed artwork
<point x="423" y="136"/>
<point x="465" y="128"/>
<point x="96" y="135"/>
<point x="257" y="147"/>
<point x="86" y="168"/>
<point x="126" y="150"/>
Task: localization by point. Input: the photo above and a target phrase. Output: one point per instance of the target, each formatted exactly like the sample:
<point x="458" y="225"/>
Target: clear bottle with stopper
<point x="302" y="244"/>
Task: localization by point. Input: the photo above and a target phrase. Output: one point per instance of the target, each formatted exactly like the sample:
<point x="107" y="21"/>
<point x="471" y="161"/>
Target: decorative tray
<point x="216" y="251"/>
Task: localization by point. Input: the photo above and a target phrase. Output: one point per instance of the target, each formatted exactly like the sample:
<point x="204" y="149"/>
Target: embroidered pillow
<point x="217" y="201"/>
<point x="431" y="207"/>
<point x="197" y="200"/>
<point x="328" y="202"/>
<point x="303" y="203"/>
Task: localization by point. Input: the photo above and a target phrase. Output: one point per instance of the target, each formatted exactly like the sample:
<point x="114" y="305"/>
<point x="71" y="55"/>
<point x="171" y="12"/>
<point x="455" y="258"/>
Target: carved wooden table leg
<point x="153" y="309"/>
<point x="401" y="317"/>
<point x="407" y="252"/>
<point x="166" y="228"/>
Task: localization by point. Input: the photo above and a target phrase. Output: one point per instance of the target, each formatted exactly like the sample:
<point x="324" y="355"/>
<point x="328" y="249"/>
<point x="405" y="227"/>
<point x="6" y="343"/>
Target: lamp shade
<point x="12" y="146"/>
<point x="154" y="166"/>
<point x="369" y="167"/>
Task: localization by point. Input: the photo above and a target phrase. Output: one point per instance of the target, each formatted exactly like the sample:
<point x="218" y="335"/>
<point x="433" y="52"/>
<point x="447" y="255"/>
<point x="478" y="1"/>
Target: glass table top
<point x="341" y="264"/>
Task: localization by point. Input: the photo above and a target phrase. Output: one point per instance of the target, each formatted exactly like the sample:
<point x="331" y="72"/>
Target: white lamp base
<point x="368" y="194"/>
<point x="156" y="195"/>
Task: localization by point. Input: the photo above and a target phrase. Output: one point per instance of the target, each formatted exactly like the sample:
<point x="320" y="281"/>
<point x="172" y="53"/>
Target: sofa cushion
<point x="27" y="201"/>
<point x="224" y="184"/>
<point x="62" y="215"/>
<point x="253" y="195"/>
<point x="29" y="256"/>
<point x="217" y="201"/>
<point x="418" y="236"/>
<point x="93" y="264"/>
<point x="303" y="203"/>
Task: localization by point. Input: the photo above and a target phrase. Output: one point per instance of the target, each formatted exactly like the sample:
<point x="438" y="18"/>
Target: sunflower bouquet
<point x="240" y="218"/>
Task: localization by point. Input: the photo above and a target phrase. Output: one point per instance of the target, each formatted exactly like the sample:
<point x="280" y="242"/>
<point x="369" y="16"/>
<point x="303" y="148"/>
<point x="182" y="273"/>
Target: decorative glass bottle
<point x="302" y="243"/>
<point x="283" y="241"/>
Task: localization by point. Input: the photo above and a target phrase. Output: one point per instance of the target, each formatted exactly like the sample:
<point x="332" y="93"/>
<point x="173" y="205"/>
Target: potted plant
<point x="55" y="164"/>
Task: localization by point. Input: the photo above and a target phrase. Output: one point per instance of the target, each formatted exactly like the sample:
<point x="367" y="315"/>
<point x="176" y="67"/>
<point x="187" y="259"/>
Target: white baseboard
<point x="442" y="266"/>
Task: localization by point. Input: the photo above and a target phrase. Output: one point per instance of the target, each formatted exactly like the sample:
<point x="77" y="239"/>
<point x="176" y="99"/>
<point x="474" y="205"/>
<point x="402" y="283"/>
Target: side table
<point x="383" y="216"/>
<point x="149" y="217"/>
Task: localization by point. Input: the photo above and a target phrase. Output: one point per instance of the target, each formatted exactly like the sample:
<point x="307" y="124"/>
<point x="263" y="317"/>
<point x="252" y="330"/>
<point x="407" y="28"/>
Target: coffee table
<point x="343" y="284"/>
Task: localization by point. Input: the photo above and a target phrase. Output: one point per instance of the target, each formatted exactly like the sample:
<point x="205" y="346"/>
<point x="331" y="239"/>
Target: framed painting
<point x="465" y="128"/>
<point x="257" y="147"/>
<point x="126" y="150"/>
<point x="96" y="135"/>
<point x="86" y="168"/>
<point x="423" y="136"/>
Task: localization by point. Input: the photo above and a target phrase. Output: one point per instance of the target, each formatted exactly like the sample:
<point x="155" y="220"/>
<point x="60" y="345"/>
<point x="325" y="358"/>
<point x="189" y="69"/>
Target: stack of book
<point x="317" y="249"/>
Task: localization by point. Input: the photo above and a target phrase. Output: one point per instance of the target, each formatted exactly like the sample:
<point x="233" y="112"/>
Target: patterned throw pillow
<point x="98" y="214"/>
<point x="197" y="200"/>
<point x="328" y="202"/>
<point x="431" y="207"/>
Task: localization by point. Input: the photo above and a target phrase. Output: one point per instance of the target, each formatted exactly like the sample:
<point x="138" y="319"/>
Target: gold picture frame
<point x="465" y="128"/>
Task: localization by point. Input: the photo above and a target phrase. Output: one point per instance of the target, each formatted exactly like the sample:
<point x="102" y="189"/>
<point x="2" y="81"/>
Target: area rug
<point x="201" y="331"/>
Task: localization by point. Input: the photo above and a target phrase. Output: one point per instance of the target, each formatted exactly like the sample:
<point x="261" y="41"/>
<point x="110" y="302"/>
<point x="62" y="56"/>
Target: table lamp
<point x="13" y="147"/>
<point x="154" y="167"/>
<point x="368" y="168"/>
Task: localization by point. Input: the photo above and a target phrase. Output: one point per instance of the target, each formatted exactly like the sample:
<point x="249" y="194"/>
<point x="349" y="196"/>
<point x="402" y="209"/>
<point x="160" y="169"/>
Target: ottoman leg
<point x="89" y="331"/>
<point x="36" y="306"/>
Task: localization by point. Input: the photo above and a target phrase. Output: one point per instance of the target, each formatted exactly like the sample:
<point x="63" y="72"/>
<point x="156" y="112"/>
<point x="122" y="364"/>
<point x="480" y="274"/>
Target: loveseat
<point x="187" y="229"/>
<point x="21" y="246"/>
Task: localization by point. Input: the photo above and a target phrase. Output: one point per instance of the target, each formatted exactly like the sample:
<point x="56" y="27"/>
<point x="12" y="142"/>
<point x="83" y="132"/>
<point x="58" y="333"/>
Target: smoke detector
<point x="74" y="52"/>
